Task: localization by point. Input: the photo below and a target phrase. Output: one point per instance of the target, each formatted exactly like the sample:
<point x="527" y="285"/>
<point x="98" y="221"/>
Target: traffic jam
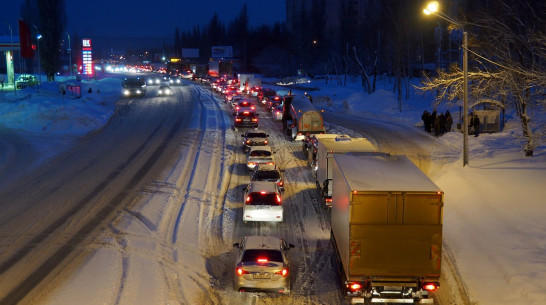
<point x="370" y="238"/>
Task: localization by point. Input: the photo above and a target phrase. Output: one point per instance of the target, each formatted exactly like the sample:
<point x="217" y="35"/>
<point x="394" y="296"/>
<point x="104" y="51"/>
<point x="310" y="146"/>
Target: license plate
<point x="262" y="207"/>
<point x="262" y="276"/>
<point x="392" y="288"/>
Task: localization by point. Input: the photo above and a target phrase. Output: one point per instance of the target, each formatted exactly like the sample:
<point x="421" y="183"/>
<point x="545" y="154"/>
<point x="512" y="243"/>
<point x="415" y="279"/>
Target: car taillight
<point x="283" y="272"/>
<point x="430" y="286"/>
<point x="251" y="163"/>
<point x="248" y="141"/>
<point x="241" y="271"/>
<point x="270" y="163"/>
<point x="253" y="108"/>
<point x="247" y="201"/>
<point x="280" y="183"/>
<point x="255" y="120"/>
<point x="262" y="260"/>
<point x="354" y="286"/>
<point x="328" y="200"/>
<point x="266" y="141"/>
<point x="278" y="199"/>
<point x="237" y="120"/>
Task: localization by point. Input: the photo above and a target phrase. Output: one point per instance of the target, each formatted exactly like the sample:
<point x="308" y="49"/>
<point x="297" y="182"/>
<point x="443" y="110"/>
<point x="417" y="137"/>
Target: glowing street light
<point x="433" y="7"/>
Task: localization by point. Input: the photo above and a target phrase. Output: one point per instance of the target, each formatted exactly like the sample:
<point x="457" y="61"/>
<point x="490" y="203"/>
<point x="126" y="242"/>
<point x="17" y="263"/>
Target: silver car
<point x="262" y="265"/>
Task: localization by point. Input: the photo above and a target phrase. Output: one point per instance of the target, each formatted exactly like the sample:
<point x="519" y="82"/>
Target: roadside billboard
<point x="222" y="51"/>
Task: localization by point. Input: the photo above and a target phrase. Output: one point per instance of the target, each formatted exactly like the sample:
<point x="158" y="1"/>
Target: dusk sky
<point x="136" y="18"/>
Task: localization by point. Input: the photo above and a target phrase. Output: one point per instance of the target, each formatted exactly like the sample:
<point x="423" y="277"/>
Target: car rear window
<point x="256" y="135"/>
<point x="260" y="153"/>
<point x="261" y="199"/>
<point x="265" y="175"/>
<point x="252" y="255"/>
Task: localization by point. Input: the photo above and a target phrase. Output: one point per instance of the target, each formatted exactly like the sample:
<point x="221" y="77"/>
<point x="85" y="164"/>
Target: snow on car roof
<point x="383" y="172"/>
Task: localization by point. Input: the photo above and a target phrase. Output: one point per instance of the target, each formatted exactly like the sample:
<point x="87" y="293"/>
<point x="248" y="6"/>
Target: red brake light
<point x="278" y="199"/>
<point x="246" y="112"/>
<point x="254" y="120"/>
<point x="237" y="120"/>
<point x="265" y="142"/>
<point x="329" y="200"/>
<point x="280" y="183"/>
<point x="354" y="286"/>
<point x="247" y="199"/>
<point x="240" y="271"/>
<point x="262" y="260"/>
<point x="283" y="272"/>
<point x="263" y="192"/>
<point x="430" y="286"/>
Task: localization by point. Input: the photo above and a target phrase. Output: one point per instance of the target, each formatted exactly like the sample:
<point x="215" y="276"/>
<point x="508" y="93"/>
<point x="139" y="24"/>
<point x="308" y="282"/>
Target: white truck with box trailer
<point x="386" y="223"/>
<point x="326" y="148"/>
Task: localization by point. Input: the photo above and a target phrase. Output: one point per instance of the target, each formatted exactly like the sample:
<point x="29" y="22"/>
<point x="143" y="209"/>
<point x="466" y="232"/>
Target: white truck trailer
<point x="386" y="223"/>
<point x="326" y="148"/>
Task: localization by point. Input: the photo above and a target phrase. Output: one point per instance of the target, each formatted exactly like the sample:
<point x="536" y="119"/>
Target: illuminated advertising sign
<point x="87" y="57"/>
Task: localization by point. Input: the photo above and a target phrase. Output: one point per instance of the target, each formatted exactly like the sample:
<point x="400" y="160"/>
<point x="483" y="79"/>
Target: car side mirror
<point x="245" y="189"/>
<point x="290" y="246"/>
<point x="257" y="114"/>
<point x="242" y="136"/>
<point x="236" y="245"/>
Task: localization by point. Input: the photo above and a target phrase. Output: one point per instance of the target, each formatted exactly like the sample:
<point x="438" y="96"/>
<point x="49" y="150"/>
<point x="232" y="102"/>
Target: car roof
<point x="260" y="147"/>
<point x="266" y="167"/>
<point x="255" y="131"/>
<point x="263" y="186"/>
<point x="263" y="242"/>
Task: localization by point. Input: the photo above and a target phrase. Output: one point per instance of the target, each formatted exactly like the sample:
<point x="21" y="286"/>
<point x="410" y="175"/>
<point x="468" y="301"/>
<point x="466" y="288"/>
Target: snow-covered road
<point x="49" y="214"/>
<point x="146" y="211"/>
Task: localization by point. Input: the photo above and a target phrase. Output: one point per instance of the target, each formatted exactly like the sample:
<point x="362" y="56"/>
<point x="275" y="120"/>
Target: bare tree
<point x="52" y="22"/>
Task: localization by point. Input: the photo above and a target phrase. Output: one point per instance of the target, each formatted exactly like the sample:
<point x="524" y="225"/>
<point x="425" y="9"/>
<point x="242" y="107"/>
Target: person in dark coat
<point x="476" y="125"/>
<point x="449" y="121"/>
<point x="437" y="125"/>
<point x="442" y="121"/>
<point x="425" y="119"/>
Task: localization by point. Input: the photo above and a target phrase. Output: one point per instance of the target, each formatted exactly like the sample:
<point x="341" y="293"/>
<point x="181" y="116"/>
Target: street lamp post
<point x="39" y="65"/>
<point x="433" y="8"/>
<point x="69" y="55"/>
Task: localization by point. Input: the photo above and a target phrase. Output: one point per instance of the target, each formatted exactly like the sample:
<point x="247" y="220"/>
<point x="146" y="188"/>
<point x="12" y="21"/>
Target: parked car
<point x="254" y="138"/>
<point x="267" y="172"/>
<point x="262" y="265"/>
<point x="259" y="155"/>
<point x="26" y="80"/>
<point x="246" y="119"/>
<point x="262" y="202"/>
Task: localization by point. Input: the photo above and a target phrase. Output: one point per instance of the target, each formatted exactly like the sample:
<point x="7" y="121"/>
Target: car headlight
<point x="126" y="92"/>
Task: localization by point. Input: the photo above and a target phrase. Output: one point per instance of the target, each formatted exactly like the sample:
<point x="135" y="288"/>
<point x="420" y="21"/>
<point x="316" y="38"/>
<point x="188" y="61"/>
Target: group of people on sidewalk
<point x="442" y="123"/>
<point x="439" y="123"/>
